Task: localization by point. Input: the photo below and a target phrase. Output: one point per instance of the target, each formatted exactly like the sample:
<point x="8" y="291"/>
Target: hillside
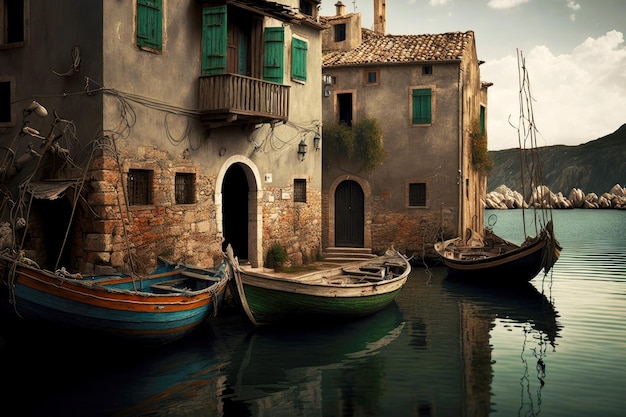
<point x="595" y="166"/>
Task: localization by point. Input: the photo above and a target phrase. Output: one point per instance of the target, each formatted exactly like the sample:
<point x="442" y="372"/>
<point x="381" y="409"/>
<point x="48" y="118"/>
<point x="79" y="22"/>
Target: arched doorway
<point x="349" y="214"/>
<point x="235" y="201"/>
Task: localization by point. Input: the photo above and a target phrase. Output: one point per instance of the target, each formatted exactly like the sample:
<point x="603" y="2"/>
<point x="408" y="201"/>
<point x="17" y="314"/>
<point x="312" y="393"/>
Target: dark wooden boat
<point x="495" y="260"/>
<point x="340" y="293"/>
<point x="156" y="308"/>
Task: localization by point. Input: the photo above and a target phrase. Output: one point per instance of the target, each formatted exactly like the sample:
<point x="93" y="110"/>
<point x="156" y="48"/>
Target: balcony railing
<point x="236" y="99"/>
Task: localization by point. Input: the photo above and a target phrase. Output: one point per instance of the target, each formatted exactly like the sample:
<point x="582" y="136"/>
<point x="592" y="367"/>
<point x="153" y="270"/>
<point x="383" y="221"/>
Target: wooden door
<point x="349" y="215"/>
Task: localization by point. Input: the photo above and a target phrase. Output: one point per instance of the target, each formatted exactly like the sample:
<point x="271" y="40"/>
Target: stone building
<point x="173" y="128"/>
<point x="424" y="94"/>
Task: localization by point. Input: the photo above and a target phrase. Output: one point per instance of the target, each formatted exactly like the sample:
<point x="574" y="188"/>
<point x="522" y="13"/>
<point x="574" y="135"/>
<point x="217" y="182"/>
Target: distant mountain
<point x="595" y="166"/>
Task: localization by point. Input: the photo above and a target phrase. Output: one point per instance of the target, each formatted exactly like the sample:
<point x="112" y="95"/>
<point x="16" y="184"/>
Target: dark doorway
<point x="344" y="102"/>
<point x="349" y="215"/>
<point x="55" y="218"/>
<point x="235" y="210"/>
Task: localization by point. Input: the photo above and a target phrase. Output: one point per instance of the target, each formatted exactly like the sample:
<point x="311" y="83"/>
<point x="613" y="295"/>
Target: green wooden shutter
<point x="214" y="40"/>
<point x="422" y="106"/>
<point x="298" y="56"/>
<point x="149" y="23"/>
<point x="274" y="39"/>
<point x="483" y="130"/>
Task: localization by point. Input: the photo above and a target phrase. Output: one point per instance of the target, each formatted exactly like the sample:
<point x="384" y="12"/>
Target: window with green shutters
<point x="483" y="130"/>
<point x="274" y="40"/>
<point x="150" y="23"/>
<point x="422" y="106"/>
<point x="298" y="57"/>
<point x="214" y="37"/>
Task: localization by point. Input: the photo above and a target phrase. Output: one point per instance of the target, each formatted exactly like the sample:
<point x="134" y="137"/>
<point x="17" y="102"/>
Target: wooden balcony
<point x="228" y="99"/>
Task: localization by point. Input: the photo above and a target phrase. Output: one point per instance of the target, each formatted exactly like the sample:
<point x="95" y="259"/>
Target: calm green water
<point x="443" y="349"/>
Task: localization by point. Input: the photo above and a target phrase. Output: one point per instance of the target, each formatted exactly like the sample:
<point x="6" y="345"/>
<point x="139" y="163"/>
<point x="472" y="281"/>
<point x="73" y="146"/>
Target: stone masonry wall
<point x="179" y="232"/>
<point x="296" y="226"/>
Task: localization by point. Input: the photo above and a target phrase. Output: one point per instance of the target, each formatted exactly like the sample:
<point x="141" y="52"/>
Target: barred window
<point x="299" y="190"/>
<point x="184" y="188"/>
<point x="139" y="186"/>
<point x="417" y="194"/>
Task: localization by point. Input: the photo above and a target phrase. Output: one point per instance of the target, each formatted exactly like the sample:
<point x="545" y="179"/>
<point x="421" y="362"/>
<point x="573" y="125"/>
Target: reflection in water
<point x="276" y="373"/>
<point x="522" y="307"/>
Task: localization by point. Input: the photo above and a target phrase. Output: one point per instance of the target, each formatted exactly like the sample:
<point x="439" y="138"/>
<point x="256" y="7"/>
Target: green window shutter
<point x="298" y="56"/>
<point x="274" y="39"/>
<point x="149" y="23"/>
<point x="483" y="130"/>
<point x="214" y="40"/>
<point x="422" y="106"/>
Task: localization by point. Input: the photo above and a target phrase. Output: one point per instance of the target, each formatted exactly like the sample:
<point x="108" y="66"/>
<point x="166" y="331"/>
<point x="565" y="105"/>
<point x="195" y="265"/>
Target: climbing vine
<point x="481" y="160"/>
<point x="364" y="142"/>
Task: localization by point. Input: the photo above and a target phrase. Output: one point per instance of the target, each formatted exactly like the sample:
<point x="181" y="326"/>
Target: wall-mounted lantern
<point x="302" y="150"/>
<point x="317" y="139"/>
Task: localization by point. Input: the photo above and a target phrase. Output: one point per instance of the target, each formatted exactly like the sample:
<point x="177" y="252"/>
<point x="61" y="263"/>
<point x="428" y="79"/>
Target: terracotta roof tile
<point x="386" y="49"/>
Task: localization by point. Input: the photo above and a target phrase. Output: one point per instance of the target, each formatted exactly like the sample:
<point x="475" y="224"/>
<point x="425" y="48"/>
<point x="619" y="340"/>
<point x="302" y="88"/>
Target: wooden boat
<point x="340" y="293"/>
<point x="157" y="308"/>
<point x="492" y="259"/>
<point x="486" y="257"/>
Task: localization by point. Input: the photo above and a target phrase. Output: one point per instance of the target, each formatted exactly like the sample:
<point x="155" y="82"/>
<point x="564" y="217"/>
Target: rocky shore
<point x="504" y="198"/>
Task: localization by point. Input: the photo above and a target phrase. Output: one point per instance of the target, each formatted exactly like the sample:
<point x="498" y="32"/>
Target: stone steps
<point x="343" y="254"/>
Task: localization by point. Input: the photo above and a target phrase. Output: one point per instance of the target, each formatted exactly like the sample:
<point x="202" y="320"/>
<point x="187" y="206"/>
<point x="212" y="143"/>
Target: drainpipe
<point x="461" y="143"/>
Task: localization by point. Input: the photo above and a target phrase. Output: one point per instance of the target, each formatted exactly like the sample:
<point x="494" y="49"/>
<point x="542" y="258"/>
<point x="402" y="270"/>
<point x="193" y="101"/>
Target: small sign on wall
<point x="285" y="195"/>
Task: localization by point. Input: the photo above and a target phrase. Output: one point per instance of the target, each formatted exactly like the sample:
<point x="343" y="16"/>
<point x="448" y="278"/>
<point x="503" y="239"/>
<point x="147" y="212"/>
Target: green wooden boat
<point x="341" y="293"/>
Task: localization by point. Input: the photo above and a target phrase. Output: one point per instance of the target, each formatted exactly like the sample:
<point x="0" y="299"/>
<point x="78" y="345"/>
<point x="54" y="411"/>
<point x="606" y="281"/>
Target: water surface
<point x="555" y="348"/>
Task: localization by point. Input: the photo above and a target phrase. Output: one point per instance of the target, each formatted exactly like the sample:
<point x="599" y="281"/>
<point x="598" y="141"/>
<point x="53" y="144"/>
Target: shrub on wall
<point x="481" y="160"/>
<point x="338" y="139"/>
<point x="276" y="256"/>
<point x="362" y="142"/>
<point x="369" y="143"/>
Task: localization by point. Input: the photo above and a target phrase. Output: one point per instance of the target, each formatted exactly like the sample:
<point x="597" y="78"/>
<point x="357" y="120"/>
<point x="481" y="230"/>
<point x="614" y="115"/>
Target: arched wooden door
<point x="349" y="215"/>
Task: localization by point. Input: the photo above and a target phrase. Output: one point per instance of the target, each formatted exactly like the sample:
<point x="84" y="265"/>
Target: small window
<point x="340" y="32"/>
<point x="11" y="21"/>
<point x="299" y="190"/>
<point x="139" y="187"/>
<point x="344" y="108"/>
<point x="371" y="77"/>
<point x="298" y="59"/>
<point x="150" y="24"/>
<point x="7" y="117"/>
<point x="427" y="70"/>
<point x="307" y="8"/>
<point x="184" y="188"/>
<point x="417" y="194"/>
<point x="421" y="106"/>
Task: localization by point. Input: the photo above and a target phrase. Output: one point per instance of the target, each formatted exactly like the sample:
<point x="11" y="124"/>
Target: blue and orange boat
<point x="156" y="308"/>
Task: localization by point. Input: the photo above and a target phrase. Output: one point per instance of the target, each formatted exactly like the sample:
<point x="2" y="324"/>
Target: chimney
<point x="340" y="8"/>
<point x="380" y="16"/>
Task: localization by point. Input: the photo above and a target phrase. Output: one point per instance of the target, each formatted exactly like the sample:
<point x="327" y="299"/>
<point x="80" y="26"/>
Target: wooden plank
<point x="197" y="275"/>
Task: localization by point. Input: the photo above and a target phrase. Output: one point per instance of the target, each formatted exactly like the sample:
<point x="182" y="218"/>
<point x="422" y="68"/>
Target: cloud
<point x="573" y="5"/>
<point x="579" y="96"/>
<point x="505" y="4"/>
<point x="438" y="2"/>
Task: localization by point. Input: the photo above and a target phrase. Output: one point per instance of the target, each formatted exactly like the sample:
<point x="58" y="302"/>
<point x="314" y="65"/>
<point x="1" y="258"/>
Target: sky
<point x="574" y="50"/>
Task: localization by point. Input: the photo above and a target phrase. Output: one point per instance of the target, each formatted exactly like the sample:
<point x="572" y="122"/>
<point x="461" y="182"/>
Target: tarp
<point x="49" y="190"/>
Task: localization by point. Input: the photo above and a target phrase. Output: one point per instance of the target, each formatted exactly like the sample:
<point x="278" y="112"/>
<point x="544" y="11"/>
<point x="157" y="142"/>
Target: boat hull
<point x="516" y="266"/>
<point x="275" y="305"/>
<point x="113" y="305"/>
<point x="318" y="297"/>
